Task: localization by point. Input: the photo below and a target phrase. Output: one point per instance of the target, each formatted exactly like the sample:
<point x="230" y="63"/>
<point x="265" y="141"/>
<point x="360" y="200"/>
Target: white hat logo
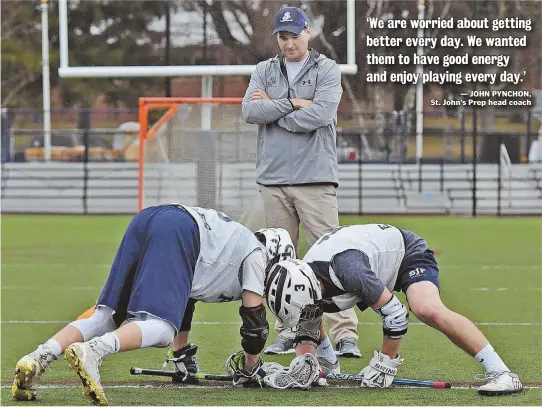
<point x="286" y="17"/>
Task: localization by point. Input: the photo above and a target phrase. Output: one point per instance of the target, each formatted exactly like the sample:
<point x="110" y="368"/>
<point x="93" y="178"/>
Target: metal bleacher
<point x="364" y="188"/>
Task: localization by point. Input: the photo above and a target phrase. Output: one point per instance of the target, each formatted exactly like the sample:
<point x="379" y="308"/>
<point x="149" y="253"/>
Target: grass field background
<point x="53" y="267"/>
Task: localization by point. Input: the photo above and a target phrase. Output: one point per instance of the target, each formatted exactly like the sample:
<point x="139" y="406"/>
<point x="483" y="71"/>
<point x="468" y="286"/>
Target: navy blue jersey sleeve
<point x="353" y="270"/>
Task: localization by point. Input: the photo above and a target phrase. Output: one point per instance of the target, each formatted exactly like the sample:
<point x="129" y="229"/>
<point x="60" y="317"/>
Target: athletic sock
<point x="53" y="346"/>
<point x="325" y="351"/>
<point x="491" y="360"/>
<point x="112" y="342"/>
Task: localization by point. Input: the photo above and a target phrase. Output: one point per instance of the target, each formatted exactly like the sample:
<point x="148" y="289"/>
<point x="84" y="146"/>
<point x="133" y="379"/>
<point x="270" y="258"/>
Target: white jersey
<point x="224" y="246"/>
<point x="383" y="246"/>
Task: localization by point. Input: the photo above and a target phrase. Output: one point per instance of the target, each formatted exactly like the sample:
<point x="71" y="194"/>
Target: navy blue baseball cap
<point x="291" y="19"/>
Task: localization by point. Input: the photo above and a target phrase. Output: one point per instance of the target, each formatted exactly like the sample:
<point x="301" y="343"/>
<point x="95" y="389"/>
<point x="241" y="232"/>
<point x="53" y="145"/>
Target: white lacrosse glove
<point x="303" y="371"/>
<point x="381" y="370"/>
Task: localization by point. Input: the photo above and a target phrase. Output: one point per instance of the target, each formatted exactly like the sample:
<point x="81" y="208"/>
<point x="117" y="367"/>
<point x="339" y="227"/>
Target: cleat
<point x="28" y="371"/>
<point x="281" y="346"/>
<point x="501" y="384"/>
<point x="348" y="348"/>
<point x="85" y="359"/>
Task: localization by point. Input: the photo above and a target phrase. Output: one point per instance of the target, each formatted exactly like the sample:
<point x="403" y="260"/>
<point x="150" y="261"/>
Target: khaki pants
<point x="316" y="208"/>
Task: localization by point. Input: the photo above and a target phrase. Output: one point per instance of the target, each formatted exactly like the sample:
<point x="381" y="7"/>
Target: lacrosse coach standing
<point x="293" y="98"/>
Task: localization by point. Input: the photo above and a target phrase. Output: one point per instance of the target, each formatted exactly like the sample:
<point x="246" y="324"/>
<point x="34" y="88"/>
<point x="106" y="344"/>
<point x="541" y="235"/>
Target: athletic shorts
<point x="418" y="267"/>
<point x="154" y="266"/>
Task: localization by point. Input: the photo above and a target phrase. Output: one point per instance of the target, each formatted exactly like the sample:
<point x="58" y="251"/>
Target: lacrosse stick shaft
<point x="333" y="376"/>
<point x="404" y="382"/>
<point x="166" y="373"/>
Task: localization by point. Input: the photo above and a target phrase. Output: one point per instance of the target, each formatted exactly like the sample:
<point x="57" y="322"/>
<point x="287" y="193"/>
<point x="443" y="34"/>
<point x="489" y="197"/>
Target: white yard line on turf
<point x="505" y="289"/>
<point x="30" y="322"/>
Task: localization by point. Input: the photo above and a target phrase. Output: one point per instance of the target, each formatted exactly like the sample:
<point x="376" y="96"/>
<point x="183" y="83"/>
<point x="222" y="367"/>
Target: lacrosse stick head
<point x="302" y="373"/>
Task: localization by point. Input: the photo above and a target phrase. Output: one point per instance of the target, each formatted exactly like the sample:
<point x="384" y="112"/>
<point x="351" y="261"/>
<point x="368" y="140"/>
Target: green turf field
<point x="53" y="268"/>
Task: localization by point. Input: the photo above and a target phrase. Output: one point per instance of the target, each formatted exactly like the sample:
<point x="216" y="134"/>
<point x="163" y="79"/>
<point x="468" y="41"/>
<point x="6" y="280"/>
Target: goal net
<point x="199" y="152"/>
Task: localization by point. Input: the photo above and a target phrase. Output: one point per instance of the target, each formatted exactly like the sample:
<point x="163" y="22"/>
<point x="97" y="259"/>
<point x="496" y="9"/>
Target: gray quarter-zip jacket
<point x="295" y="147"/>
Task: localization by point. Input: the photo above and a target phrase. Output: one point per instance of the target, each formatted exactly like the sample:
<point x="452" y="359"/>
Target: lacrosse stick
<point x="404" y="382"/>
<point x="332" y="376"/>
<point x="179" y="375"/>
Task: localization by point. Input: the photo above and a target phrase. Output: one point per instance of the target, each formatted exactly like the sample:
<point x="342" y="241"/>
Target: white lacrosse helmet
<point x="293" y="292"/>
<point x="278" y="244"/>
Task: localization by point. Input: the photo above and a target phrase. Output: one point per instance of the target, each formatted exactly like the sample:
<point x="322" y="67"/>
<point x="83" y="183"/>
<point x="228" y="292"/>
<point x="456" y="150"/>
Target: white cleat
<point x="28" y="371"/>
<point x="501" y="384"/>
<point x="85" y="359"/>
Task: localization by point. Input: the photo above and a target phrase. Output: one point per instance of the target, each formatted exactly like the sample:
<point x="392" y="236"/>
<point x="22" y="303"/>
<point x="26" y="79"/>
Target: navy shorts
<point x="417" y="267"/>
<point x="154" y="266"/>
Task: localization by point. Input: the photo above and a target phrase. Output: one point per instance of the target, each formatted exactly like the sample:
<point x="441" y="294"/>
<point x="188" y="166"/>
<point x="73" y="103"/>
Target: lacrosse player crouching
<point x="169" y="253"/>
<point x="362" y="265"/>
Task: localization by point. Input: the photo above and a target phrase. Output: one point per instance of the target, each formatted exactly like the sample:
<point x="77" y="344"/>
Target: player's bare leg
<point x="424" y="301"/>
<point x="180" y="340"/>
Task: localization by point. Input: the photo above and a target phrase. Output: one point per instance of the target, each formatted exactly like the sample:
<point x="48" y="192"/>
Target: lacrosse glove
<point x="381" y="370"/>
<point x="184" y="360"/>
<point x="235" y="366"/>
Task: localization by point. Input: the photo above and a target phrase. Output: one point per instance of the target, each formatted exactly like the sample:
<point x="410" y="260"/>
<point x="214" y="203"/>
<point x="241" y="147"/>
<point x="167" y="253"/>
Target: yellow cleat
<point x="26" y="374"/>
<point x="85" y="361"/>
<point x="28" y="371"/>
